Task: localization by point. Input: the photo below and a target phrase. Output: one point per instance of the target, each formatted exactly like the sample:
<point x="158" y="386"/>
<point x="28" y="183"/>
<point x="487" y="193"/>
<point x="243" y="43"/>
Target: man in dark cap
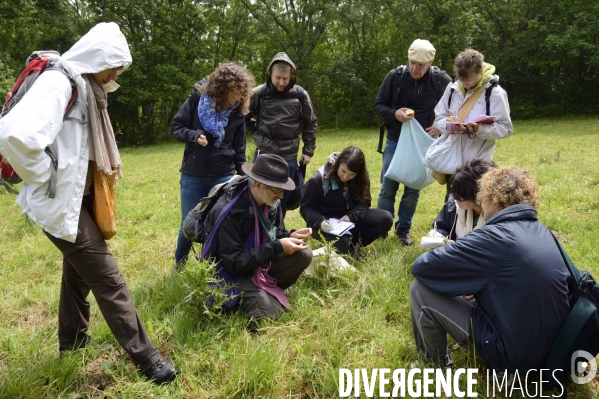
<point x="248" y="239"/>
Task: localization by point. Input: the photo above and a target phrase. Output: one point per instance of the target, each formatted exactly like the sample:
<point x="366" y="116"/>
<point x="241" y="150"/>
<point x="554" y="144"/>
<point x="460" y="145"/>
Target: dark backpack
<point x="580" y="330"/>
<point x="193" y="225"/>
<point x="296" y="195"/>
<point x="436" y="80"/>
<point x="37" y="63"/>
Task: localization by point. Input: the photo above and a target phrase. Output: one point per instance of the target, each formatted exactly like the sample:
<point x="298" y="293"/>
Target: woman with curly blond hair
<point x="211" y="124"/>
<point x="511" y="273"/>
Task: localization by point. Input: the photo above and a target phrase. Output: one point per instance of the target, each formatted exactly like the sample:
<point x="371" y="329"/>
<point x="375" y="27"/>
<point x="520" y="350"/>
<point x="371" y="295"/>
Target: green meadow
<point x="359" y="320"/>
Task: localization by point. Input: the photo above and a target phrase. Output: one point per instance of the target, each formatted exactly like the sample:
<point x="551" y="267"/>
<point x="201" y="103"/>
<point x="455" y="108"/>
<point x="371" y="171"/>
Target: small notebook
<point x="340" y="228"/>
<point x="482" y="119"/>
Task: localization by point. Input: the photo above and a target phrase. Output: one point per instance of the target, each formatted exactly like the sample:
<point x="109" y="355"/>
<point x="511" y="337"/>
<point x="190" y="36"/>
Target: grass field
<point x="356" y="321"/>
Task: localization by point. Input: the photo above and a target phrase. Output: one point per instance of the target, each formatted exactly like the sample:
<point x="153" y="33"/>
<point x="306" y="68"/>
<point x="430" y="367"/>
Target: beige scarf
<point x="102" y="144"/>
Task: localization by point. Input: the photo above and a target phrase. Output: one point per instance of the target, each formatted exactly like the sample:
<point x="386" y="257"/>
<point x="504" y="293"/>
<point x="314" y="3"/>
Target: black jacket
<point x="209" y="160"/>
<point x="235" y="229"/>
<point x="515" y="271"/>
<point x="281" y="119"/>
<point x="314" y="207"/>
<point x="420" y="95"/>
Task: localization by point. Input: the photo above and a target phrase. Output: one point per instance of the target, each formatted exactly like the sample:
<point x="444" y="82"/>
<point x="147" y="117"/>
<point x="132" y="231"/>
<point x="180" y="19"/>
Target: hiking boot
<point x="162" y="372"/>
<point x="405" y="239"/>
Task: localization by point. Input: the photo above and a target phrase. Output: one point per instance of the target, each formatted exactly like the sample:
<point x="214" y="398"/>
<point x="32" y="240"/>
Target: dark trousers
<point x="434" y="316"/>
<point x="375" y="224"/>
<point x="88" y="265"/>
<point x="293" y="167"/>
<point x="256" y="303"/>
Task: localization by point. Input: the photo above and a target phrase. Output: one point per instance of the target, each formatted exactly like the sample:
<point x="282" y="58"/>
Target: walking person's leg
<point x="92" y="263"/>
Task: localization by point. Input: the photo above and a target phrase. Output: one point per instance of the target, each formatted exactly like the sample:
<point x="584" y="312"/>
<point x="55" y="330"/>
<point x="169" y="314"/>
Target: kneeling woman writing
<point x="341" y="189"/>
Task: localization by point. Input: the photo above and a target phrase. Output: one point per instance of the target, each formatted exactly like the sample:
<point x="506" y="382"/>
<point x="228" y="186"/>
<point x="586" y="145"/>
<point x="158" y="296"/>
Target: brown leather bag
<point x="105" y="202"/>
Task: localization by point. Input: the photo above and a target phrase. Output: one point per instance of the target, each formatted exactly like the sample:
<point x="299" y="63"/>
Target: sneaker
<point x="448" y="362"/>
<point x="405" y="239"/>
<point x="162" y="372"/>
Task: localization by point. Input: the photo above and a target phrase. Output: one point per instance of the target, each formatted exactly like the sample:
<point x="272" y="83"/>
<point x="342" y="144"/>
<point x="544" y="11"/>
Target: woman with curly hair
<point x="511" y="274"/>
<point x="211" y="124"/>
<point x="341" y="190"/>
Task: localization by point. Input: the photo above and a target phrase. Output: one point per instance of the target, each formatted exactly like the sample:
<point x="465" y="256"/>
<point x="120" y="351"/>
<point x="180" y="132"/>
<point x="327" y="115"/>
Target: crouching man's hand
<point x="292" y="245"/>
<point x="302" y="234"/>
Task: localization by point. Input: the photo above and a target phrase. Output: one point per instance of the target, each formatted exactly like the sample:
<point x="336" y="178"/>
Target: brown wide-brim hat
<point x="270" y="169"/>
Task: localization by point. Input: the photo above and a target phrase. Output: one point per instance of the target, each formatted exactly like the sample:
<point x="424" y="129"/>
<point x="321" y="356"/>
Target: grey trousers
<point x="434" y="316"/>
<point x="256" y="303"/>
<point x="88" y="265"/>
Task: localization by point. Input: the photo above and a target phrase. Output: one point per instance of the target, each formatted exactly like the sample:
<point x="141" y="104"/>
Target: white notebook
<point x="340" y="228"/>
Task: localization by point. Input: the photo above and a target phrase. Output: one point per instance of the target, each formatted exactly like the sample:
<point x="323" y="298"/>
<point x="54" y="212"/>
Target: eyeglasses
<point x="275" y="191"/>
<point x="470" y="82"/>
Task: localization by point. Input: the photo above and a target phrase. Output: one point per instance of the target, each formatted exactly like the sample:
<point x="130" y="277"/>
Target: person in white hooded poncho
<point x="36" y="125"/>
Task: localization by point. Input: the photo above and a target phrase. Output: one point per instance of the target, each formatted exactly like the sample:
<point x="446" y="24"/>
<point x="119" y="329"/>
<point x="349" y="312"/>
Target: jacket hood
<point x="488" y="74"/>
<point x="330" y="161"/>
<point x="103" y="47"/>
<point x="196" y="87"/>
<point x="514" y="212"/>
<point x="278" y="58"/>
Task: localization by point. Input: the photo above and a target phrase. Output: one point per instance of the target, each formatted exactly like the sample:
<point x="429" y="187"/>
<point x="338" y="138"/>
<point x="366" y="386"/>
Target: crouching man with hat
<point x="247" y="237"/>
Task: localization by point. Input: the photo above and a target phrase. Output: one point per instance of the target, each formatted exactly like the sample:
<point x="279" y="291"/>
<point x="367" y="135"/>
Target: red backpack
<point x="37" y="63"/>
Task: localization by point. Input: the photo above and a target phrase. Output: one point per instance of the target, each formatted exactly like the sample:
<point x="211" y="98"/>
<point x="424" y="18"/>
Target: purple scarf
<point x="261" y="278"/>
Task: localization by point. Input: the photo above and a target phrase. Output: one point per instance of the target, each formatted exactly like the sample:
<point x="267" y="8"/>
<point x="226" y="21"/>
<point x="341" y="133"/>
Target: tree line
<point x="546" y="52"/>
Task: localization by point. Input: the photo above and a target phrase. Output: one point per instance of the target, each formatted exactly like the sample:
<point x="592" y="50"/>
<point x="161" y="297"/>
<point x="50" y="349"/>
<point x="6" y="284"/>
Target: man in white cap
<point x="415" y="88"/>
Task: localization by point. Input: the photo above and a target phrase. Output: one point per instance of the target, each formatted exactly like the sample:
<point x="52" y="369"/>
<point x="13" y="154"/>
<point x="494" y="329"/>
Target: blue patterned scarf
<point x="212" y="120"/>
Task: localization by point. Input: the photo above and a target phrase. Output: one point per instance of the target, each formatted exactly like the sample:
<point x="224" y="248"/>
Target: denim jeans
<point x="193" y="189"/>
<point x="389" y="187"/>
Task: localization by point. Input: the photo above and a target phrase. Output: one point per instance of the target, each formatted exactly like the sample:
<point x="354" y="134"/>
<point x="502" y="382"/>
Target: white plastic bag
<point x="335" y="263"/>
<point x="407" y="165"/>
<point x="446" y="154"/>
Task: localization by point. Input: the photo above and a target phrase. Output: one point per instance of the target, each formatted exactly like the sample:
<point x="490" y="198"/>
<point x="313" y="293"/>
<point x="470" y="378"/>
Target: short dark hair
<point x="464" y="185"/>
<point x="468" y="62"/>
<point x="353" y="157"/>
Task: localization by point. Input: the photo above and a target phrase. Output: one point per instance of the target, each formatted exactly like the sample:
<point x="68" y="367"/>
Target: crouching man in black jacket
<point x="248" y="239"/>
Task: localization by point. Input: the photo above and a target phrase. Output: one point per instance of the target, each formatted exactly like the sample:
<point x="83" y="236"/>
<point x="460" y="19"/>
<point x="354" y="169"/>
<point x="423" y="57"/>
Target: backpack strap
<point x="210" y="244"/>
<point x="53" y="65"/>
<point x="395" y="85"/>
<point x="450" y="97"/>
<point x="488" y="92"/>
<point x="326" y="183"/>
<point x="578" y="317"/>
<point x="436" y="77"/>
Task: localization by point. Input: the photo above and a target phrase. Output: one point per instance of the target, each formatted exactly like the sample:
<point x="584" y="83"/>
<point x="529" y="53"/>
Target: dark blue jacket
<point x="209" y="161"/>
<point x="514" y="269"/>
